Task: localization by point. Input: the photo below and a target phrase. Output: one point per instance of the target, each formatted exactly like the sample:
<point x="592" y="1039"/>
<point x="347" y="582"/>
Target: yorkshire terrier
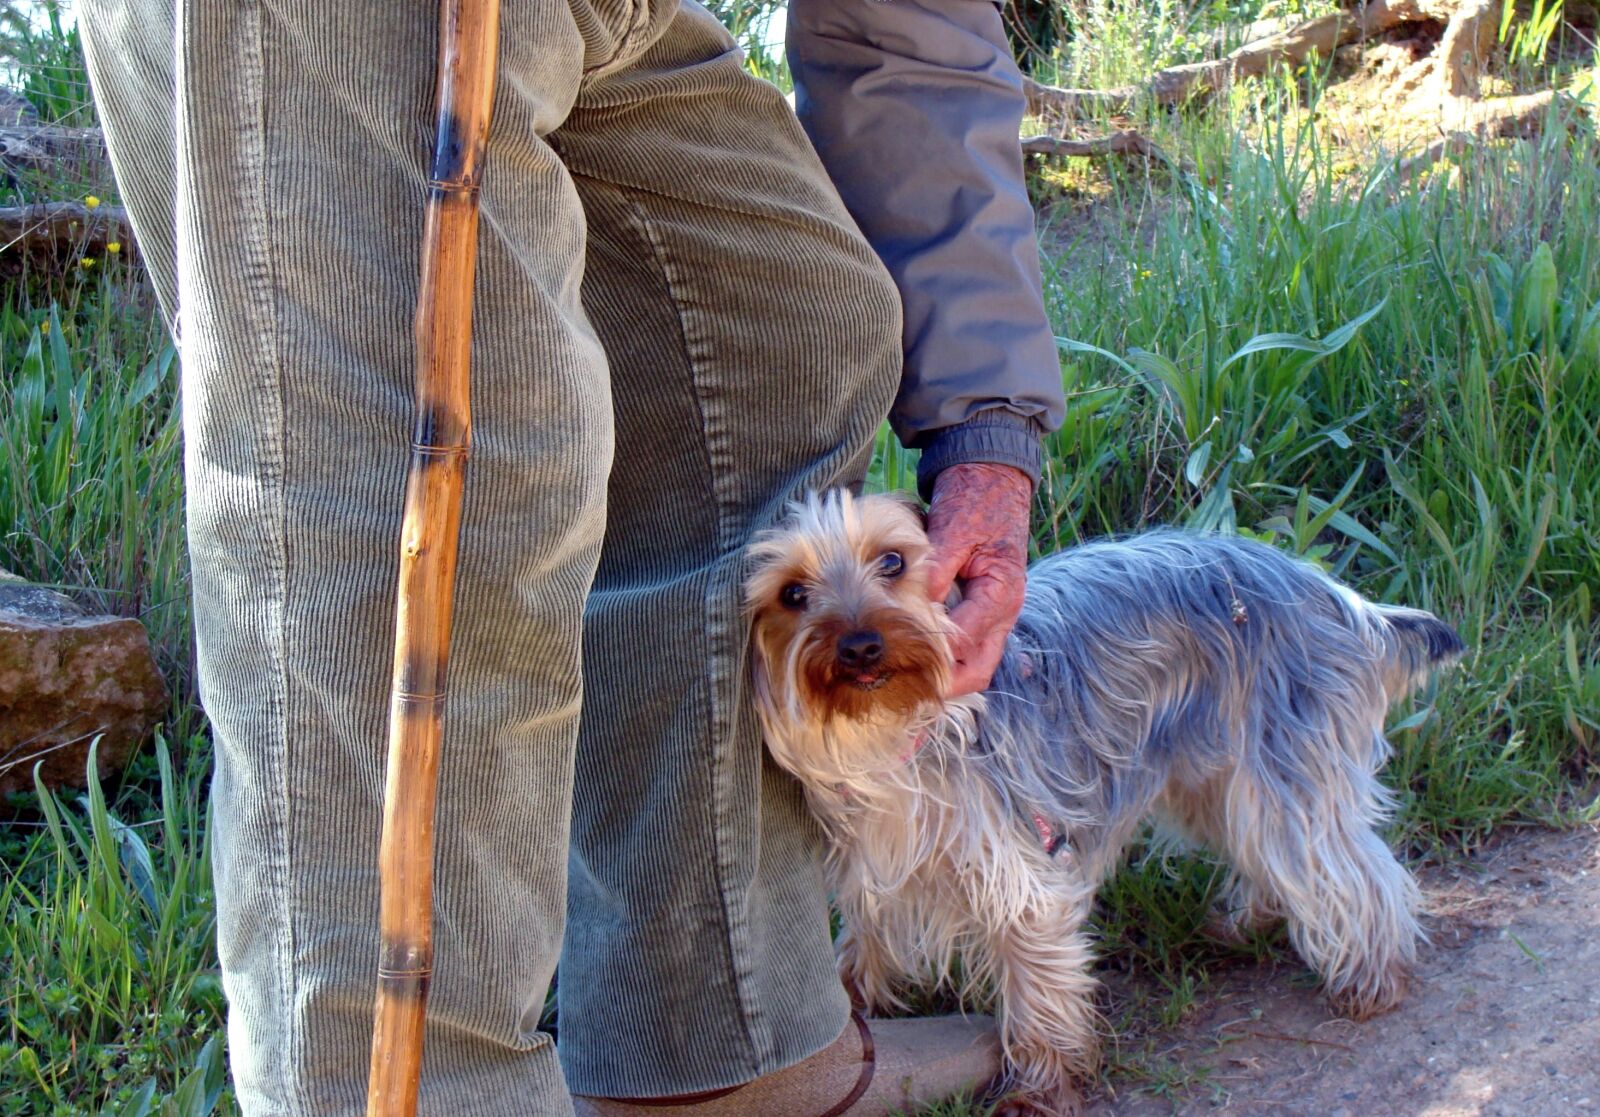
<point x="1212" y="685"/>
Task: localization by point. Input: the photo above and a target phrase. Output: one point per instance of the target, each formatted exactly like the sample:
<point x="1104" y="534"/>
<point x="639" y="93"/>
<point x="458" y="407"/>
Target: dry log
<point x="16" y="109"/>
<point x="1114" y="143"/>
<point x="1291" y="47"/>
<point x="1445" y="90"/>
<point x="55" y="227"/>
<point x="48" y="149"/>
<point x="1470" y="120"/>
<point x="1441" y="91"/>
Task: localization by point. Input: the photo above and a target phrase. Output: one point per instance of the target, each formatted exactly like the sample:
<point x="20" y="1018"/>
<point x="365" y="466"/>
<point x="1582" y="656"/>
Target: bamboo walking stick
<point x="468" y="41"/>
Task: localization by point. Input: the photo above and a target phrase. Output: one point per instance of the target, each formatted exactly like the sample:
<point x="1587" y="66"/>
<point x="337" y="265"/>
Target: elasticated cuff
<point x="997" y="436"/>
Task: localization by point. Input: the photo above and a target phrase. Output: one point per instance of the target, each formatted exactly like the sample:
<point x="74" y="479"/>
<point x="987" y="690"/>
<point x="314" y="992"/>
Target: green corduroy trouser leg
<point x="677" y="328"/>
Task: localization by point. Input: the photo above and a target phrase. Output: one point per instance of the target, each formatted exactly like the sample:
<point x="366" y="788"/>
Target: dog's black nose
<point x="859" y="650"/>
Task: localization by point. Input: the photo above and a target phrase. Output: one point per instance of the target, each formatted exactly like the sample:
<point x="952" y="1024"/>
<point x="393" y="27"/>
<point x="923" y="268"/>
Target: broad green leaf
<point x="1216" y="511"/>
<point x="1536" y="300"/>
<point x="136" y="862"/>
<point x="1194" y="470"/>
<point x="111" y="936"/>
<point x="1182" y="392"/>
<point x="1325" y="514"/>
<point x="61" y="367"/>
<point x="1073" y="346"/>
<point x="1335" y="341"/>
<point x="1415" y="721"/>
<point x="155" y="372"/>
<point x="28" y="393"/>
<point x="1537" y="536"/>
<point x="140" y="1105"/>
<point x="1430" y="524"/>
<point x="1263" y="343"/>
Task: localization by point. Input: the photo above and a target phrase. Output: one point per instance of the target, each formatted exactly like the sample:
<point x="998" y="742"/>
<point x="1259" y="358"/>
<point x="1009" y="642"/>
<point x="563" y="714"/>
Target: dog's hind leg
<point x="1197" y="815"/>
<point x="1310" y="845"/>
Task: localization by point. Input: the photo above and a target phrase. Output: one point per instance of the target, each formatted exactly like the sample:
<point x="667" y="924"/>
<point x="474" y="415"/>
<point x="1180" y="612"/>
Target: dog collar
<point x="1053" y="840"/>
<point x="915" y="747"/>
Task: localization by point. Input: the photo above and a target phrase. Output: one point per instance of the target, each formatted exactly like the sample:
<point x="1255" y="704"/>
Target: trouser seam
<point x="262" y="285"/>
<point x="718" y="726"/>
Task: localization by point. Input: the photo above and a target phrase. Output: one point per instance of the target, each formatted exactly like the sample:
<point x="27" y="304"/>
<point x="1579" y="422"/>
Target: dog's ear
<point x="913" y="503"/>
<point x="903" y="498"/>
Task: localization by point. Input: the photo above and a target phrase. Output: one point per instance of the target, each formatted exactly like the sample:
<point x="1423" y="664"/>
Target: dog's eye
<point x="891" y="564"/>
<point x="793" y="596"/>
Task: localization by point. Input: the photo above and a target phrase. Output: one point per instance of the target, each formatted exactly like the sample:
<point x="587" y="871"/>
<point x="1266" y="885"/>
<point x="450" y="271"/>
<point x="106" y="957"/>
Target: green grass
<point x="1446" y="455"/>
<point x="111" y="996"/>
<point x="1399" y="380"/>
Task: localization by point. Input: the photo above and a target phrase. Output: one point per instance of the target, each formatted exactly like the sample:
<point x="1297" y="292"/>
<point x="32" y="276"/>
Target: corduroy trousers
<point x="677" y="329"/>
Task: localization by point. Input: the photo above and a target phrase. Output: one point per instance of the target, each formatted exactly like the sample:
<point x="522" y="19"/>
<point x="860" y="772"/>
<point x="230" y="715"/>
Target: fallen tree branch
<point x="1470" y="120"/>
<point x="54" y="226"/>
<point x="1413" y="165"/>
<point x="1115" y="143"/>
<point x="1286" y="1038"/>
<point x="1255" y="58"/>
<point x="16" y="109"/>
<point x="46" y="148"/>
<point x="1445" y="89"/>
<point x="1509" y="116"/>
<point x="1441" y="91"/>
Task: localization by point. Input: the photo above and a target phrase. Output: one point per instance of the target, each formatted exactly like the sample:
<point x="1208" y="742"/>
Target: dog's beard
<point x="913" y="674"/>
<point x="835" y="727"/>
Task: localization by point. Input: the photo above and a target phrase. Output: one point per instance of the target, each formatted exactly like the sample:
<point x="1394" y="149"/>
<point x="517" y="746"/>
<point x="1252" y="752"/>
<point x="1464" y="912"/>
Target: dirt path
<point x="1503" y="1021"/>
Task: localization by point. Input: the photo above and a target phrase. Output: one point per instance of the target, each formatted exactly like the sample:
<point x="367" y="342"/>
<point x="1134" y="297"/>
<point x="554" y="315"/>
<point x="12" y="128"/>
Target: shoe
<point x="889" y="1067"/>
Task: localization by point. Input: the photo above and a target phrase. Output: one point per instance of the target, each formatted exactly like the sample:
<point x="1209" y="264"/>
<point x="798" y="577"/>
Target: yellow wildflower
<point x="91" y="201"/>
<point x="113" y="247"/>
<point x="87" y="262"/>
<point x="44" y="327"/>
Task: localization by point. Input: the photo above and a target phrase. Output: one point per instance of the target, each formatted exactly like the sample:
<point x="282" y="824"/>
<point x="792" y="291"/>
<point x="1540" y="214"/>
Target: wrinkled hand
<point x="978" y="524"/>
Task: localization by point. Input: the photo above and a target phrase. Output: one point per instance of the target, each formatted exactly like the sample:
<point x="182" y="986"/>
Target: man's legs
<point x="754" y="342"/>
<point x="299" y="134"/>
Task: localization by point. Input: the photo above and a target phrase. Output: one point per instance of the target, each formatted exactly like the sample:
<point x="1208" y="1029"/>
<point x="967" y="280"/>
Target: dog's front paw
<point x="1044" y="1079"/>
<point x="1033" y="1101"/>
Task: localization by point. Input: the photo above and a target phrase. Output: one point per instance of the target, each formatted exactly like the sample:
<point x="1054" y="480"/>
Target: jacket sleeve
<point x="915" y="108"/>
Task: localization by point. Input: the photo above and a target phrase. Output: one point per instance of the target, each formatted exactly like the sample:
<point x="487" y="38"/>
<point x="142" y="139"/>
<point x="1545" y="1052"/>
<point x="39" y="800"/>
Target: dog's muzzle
<point x="858" y="657"/>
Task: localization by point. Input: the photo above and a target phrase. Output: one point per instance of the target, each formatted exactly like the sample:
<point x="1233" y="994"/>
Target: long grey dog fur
<point x="1212" y="684"/>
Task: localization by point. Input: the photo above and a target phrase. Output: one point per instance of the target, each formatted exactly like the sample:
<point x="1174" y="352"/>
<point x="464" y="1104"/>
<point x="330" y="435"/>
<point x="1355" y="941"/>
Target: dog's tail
<point x="1416" y="644"/>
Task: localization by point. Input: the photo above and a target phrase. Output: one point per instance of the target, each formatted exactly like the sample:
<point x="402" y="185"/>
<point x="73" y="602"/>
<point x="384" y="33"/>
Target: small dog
<point x="1211" y="684"/>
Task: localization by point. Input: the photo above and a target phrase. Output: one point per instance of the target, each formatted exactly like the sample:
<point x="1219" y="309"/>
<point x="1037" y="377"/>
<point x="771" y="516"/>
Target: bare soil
<point x="1502" y="1021"/>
